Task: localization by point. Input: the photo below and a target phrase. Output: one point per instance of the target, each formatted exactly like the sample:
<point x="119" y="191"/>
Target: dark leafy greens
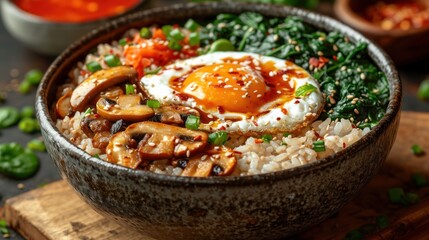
<point x="355" y="88"/>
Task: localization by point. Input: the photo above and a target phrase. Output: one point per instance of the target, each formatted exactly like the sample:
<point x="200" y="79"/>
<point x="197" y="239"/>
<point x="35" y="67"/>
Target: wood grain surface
<point x="56" y="212"/>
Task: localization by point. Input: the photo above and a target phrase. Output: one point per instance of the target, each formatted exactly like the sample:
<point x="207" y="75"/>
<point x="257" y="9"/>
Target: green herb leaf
<point x="148" y="71"/>
<point x="93" y="66"/>
<point x="145" y="33"/>
<point x="191" y="25"/>
<point x="305" y="90"/>
<point x="319" y="146"/>
<point x="112" y="60"/>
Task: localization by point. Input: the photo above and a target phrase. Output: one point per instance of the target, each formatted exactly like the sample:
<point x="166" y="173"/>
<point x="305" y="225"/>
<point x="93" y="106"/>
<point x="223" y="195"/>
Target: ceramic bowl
<point x="44" y="36"/>
<point x="266" y="206"/>
<point x="403" y="46"/>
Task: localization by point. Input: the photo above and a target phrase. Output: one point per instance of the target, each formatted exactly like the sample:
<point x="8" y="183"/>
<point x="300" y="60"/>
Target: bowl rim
<point x="345" y="13"/>
<point x="40" y="20"/>
<point x="375" y="52"/>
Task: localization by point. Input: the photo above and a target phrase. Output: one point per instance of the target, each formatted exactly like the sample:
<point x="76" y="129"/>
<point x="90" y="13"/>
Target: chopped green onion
<point x="29" y="125"/>
<point x="122" y="41"/>
<point x="397" y="195"/>
<point x="354" y="235"/>
<point x="24" y="87"/>
<point x="153" y="103"/>
<point x="93" y="66"/>
<point x="166" y="29"/>
<point x="218" y="138"/>
<point x="192" y="122"/>
<point x="96" y="155"/>
<point x="382" y="222"/>
<point x="417" y="150"/>
<point x="145" y="33"/>
<point x="194" y="39"/>
<point x="286" y="134"/>
<point x="412" y="198"/>
<point x="3" y="227"/>
<point x="319" y="146"/>
<point x="148" y="71"/>
<point x="267" y="138"/>
<point x="221" y="45"/>
<point x="129" y="89"/>
<point x="423" y="92"/>
<point x="191" y="25"/>
<point x="33" y="77"/>
<point x="176" y="35"/>
<point x="36" y="145"/>
<point x="174" y="45"/>
<point x="305" y="90"/>
<point x="368" y="228"/>
<point x="419" y="180"/>
<point x="88" y="111"/>
<point x="8" y="116"/>
<point x="27" y="111"/>
<point x="112" y="60"/>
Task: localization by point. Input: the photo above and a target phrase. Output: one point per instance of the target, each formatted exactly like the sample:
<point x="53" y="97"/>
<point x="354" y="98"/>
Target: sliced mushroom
<point x="92" y="124"/>
<point x="155" y="141"/>
<point x="173" y="114"/>
<point x="101" y="140"/>
<point x="63" y="106"/>
<point x="120" y="151"/>
<point x="126" y="107"/>
<point x="98" y="82"/>
<point x="218" y="161"/>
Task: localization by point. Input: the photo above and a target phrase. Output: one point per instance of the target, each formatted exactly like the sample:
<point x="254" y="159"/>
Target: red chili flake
<point x="278" y="118"/>
<point x="335" y="57"/>
<point x="240" y="83"/>
<point x="222" y="128"/>
<point x="220" y="109"/>
<point x="83" y="72"/>
<point x="197" y="138"/>
<point x="344" y="145"/>
<point x="259" y="140"/>
<point x="237" y="152"/>
<point x="284" y="111"/>
<point x="353" y="126"/>
<point x="296" y="102"/>
<point x="318" y="135"/>
<point x="255" y="123"/>
<point x="314" y="62"/>
<point x="220" y="85"/>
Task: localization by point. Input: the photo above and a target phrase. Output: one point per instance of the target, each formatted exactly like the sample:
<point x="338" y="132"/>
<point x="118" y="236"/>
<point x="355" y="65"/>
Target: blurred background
<point x="34" y="32"/>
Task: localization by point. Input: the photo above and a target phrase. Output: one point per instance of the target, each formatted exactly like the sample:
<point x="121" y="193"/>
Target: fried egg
<point x="239" y="92"/>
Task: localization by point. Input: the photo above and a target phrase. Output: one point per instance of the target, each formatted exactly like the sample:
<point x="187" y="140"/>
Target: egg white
<point x="301" y="111"/>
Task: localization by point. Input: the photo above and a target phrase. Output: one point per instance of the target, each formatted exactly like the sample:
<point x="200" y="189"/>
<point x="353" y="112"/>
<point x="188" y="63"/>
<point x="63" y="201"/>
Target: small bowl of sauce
<point x="49" y="26"/>
<point x="399" y="26"/>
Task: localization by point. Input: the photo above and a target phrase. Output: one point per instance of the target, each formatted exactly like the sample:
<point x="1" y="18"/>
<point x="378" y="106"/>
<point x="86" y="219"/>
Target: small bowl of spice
<point x="49" y="26"/>
<point x="399" y="26"/>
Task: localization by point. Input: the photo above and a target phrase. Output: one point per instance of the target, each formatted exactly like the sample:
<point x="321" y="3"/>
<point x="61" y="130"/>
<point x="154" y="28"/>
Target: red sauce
<point x="74" y="11"/>
<point x="398" y="14"/>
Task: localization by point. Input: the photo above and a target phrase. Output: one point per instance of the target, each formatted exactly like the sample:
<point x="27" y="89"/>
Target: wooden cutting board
<point x="56" y="212"/>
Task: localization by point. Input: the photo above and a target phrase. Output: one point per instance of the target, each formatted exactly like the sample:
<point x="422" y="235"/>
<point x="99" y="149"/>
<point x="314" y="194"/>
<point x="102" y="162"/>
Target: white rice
<point x="253" y="157"/>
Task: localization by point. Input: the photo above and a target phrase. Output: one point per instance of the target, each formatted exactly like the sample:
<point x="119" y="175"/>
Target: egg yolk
<point x="227" y="87"/>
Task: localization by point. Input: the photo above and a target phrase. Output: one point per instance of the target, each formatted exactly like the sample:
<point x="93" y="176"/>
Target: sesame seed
<point x="297" y="48"/>
<point x="335" y="47"/>
<point x="285" y="77"/>
<point x="356" y="111"/>
<point x="176" y="141"/>
<point x="204" y="157"/>
<point x="279" y="92"/>
<point x="188" y="153"/>
<point x="362" y="76"/>
<point x="320" y="53"/>
<point x="350" y="96"/>
<point x="259" y="95"/>
<point x="272" y="73"/>
<point x="151" y="144"/>
<point x="216" y="148"/>
<point x="20" y="186"/>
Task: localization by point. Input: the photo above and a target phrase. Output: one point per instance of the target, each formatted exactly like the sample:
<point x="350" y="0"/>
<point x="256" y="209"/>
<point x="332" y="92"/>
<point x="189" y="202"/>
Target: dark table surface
<point x="16" y="58"/>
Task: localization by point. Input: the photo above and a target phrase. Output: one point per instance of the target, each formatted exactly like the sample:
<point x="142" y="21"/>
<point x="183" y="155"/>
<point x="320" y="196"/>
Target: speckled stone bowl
<point x="266" y="206"/>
